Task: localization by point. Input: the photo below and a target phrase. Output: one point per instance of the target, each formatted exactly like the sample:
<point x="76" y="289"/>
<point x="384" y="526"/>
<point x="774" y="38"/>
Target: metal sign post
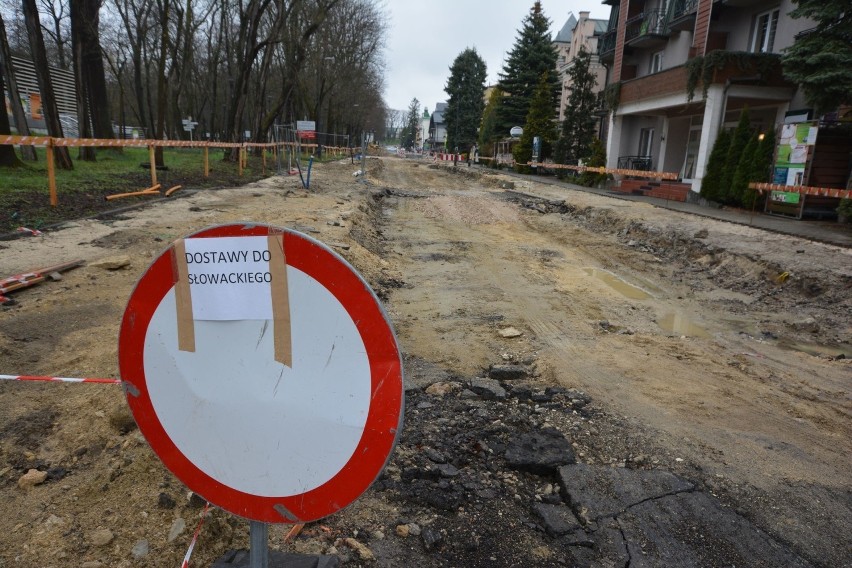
<point x="189" y="125"/>
<point x="258" y="545"/>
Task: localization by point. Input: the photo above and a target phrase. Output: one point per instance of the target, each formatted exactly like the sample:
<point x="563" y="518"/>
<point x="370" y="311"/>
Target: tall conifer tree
<point x="820" y="60"/>
<point x="539" y="123"/>
<point x="532" y="56"/>
<point x="464" y="106"/>
<point x="710" y="184"/>
<point x="488" y="134"/>
<point x="578" y="126"/>
<point x="408" y="137"/>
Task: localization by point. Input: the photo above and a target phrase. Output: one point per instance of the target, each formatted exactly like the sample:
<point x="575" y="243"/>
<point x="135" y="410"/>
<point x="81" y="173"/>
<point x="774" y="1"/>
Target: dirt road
<point x="709" y="350"/>
<point x="689" y="339"/>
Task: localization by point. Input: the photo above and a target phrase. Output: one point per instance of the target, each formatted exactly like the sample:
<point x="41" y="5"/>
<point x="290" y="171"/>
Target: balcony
<point x="647" y="29"/>
<point x="668" y="82"/>
<point x="606" y="46"/>
<point x="683" y="15"/>
<point x="762" y="69"/>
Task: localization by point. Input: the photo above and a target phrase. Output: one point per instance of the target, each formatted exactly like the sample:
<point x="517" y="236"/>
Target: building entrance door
<point x="687" y="171"/>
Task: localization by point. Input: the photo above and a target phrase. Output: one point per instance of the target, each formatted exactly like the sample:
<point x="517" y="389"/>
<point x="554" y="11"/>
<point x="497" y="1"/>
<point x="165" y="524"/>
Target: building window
<point x="646" y="141"/>
<point x="763" y="35"/>
<point x="656" y="62"/>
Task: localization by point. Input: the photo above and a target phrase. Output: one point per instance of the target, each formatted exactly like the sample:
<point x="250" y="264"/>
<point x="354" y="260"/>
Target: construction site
<point x="590" y="379"/>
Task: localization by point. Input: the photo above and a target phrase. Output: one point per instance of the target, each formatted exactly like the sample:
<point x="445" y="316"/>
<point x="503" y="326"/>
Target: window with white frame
<point x="646" y="141"/>
<point x="763" y="35"/>
<point x="656" y="62"/>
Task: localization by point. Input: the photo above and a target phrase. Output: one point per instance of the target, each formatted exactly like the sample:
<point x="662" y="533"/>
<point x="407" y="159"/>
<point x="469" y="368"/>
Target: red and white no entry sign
<point x="263" y="371"/>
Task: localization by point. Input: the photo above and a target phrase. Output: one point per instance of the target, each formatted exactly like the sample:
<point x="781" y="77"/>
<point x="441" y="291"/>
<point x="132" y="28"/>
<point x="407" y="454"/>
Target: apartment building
<point x="576" y="33"/>
<point x="656" y="124"/>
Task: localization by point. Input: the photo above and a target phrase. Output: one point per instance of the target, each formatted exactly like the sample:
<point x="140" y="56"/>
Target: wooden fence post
<point x="153" y="160"/>
<point x="51" y="174"/>
<point x="206" y="162"/>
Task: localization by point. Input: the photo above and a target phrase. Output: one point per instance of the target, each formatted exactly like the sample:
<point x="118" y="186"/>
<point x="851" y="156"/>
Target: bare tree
<point x="237" y="66"/>
<point x="395" y="120"/>
<point x="343" y="71"/>
<point x="135" y="17"/>
<point x="48" y="99"/>
<point x="58" y="13"/>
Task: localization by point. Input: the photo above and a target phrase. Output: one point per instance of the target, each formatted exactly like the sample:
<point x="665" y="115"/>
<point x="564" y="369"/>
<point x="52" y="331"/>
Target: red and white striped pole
<point x="59" y="379"/>
<point x="185" y="563"/>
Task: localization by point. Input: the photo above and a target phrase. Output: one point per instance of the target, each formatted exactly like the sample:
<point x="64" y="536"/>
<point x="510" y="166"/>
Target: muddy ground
<point x="679" y="393"/>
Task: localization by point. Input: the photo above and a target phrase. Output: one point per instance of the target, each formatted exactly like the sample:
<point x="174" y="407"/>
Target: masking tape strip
<point x="282" y="334"/>
<point x="183" y="298"/>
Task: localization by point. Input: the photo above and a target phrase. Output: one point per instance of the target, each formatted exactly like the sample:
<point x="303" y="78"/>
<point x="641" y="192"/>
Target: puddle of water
<point x="679" y="324"/>
<point x="617" y="284"/>
<point x="816" y="349"/>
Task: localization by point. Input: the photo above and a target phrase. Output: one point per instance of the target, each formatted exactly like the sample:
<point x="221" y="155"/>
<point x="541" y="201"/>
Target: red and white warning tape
<point x="58" y="379"/>
<point x="185" y="563"/>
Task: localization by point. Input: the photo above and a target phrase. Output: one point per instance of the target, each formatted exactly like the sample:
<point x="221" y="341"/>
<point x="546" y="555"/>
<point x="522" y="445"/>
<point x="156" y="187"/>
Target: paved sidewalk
<point x="830" y="232"/>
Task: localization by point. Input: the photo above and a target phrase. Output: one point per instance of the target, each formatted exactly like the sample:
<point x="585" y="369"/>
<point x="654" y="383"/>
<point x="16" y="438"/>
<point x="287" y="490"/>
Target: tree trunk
<point x="162" y="94"/>
<point x="7" y="73"/>
<point x="45" y="86"/>
<point x="91" y="63"/>
<point x="84" y="125"/>
<point x="8" y="158"/>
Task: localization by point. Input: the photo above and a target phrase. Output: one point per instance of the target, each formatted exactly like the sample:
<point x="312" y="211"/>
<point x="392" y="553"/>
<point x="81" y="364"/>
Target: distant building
<point x="655" y="125"/>
<point x="63" y="86"/>
<point x="423" y="131"/>
<point x="437" y="130"/>
<point x="584" y="32"/>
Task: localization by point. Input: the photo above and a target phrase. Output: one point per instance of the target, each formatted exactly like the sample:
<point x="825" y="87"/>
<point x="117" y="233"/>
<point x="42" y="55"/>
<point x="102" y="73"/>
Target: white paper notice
<point x="229" y="278"/>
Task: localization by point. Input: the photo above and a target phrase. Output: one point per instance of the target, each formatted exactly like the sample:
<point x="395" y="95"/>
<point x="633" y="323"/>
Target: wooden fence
<point x="50" y="143"/>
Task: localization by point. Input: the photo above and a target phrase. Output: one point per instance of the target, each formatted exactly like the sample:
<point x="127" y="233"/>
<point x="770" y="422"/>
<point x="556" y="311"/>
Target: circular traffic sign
<point x="263" y="372"/>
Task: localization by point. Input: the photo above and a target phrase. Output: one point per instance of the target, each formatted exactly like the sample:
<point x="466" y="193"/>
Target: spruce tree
<point x="464" y="107"/>
<point x="761" y="168"/>
<point x="710" y="183"/>
<point x="531" y="56"/>
<point x="488" y="134"/>
<point x="820" y="60"/>
<point x="597" y="159"/>
<point x="539" y="123"/>
<point x="743" y="173"/>
<point x="739" y="140"/>
<point x="578" y="126"/>
<point x="408" y="137"/>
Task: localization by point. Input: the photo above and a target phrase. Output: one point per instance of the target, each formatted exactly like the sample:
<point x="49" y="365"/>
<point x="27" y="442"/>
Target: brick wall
<point x="702" y="26"/>
<point x="666" y="82"/>
<point x="619" y="41"/>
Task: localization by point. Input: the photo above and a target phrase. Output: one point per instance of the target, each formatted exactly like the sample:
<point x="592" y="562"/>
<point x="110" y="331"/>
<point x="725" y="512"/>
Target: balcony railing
<point x="683" y="8"/>
<point x="654" y="23"/>
<point x="682" y="16"/>
<point x="607" y="43"/>
<point x="643" y="163"/>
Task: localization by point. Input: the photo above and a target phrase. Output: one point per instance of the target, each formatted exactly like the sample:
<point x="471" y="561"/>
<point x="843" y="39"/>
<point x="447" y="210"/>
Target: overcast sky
<point x="427" y="35"/>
